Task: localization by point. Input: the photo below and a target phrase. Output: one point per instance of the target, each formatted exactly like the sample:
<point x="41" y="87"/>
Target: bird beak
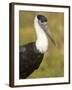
<point x="51" y="38"/>
<point x="49" y="34"/>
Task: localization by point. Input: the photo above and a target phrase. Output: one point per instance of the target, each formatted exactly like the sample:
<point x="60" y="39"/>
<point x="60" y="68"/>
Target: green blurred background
<point x="53" y="61"/>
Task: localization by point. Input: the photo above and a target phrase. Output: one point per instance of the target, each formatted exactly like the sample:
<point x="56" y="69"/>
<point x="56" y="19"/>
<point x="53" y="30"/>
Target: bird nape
<point x="31" y="55"/>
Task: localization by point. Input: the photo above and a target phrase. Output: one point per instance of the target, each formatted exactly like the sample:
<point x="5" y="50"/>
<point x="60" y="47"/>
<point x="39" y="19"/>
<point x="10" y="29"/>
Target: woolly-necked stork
<point x="31" y="55"/>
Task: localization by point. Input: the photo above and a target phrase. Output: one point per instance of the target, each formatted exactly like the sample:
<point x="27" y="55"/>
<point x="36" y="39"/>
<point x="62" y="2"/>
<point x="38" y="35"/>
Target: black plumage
<point x="30" y="59"/>
<point x="42" y="18"/>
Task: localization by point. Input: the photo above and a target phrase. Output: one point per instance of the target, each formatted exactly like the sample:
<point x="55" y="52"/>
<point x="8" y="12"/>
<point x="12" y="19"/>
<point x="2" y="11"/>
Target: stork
<point x="31" y="55"/>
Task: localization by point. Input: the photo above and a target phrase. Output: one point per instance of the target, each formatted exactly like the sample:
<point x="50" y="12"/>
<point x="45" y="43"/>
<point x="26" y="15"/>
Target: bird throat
<point x="42" y="39"/>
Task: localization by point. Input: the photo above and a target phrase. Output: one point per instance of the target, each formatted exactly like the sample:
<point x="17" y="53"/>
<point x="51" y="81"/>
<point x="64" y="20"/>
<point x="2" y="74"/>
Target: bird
<point x="31" y="54"/>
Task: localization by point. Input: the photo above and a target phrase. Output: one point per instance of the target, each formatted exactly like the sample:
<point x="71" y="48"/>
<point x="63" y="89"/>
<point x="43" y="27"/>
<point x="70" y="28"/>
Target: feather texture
<point x="30" y="59"/>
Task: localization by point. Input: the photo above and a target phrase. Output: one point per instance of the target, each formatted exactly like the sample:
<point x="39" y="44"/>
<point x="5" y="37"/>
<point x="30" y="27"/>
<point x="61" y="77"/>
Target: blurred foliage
<point x="53" y="62"/>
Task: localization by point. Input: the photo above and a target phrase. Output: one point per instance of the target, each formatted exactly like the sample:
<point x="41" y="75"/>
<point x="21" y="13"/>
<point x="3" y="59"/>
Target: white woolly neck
<point x="42" y="39"/>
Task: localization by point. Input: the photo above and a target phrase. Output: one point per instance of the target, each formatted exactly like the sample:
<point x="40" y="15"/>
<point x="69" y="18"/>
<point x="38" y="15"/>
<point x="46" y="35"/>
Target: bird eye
<point x="42" y="21"/>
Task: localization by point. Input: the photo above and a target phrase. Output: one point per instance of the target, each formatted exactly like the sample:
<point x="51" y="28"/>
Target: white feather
<point x="42" y="39"/>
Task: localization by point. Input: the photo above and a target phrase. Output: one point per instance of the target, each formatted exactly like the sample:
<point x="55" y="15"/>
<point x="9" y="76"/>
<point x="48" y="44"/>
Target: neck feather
<point x="42" y="40"/>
